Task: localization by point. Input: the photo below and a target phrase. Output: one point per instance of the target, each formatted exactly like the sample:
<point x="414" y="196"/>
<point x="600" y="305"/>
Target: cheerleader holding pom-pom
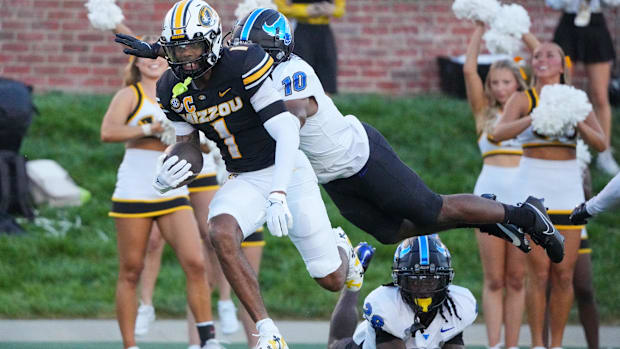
<point x="549" y="169"/>
<point x="503" y="263"/>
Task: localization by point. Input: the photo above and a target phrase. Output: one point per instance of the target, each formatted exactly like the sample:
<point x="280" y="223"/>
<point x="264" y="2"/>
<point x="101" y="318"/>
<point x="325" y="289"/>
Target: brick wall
<point x="387" y="46"/>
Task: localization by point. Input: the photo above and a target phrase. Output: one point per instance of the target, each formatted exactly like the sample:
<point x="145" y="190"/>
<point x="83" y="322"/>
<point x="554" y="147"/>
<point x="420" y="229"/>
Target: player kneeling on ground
<point x="419" y="310"/>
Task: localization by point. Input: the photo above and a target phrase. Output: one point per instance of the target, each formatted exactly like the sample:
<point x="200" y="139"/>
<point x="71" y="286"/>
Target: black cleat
<point x="508" y="232"/>
<point x="543" y="232"/>
<point x="580" y="215"/>
<point x="505" y="231"/>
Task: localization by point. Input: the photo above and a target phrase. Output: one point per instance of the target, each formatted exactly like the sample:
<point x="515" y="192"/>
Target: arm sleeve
<point x="608" y="198"/>
<point x="284" y="129"/>
<point x="267" y="102"/>
<point x="292" y="10"/>
<point x="182" y="128"/>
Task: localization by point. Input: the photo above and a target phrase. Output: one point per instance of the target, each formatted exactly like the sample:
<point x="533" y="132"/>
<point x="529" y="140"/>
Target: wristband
<point x="147" y="129"/>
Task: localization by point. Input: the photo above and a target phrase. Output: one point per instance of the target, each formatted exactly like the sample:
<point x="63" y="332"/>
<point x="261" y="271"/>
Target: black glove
<point x="138" y="47"/>
<point x="580" y="215"/>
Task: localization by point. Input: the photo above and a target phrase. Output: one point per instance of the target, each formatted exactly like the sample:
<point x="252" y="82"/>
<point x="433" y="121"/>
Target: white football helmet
<point x="192" y="38"/>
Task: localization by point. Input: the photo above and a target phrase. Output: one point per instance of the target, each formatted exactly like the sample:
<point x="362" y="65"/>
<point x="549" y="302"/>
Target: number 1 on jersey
<point x="222" y="130"/>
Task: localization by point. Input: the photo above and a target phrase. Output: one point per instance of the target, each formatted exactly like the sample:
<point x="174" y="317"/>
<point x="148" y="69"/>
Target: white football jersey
<point x="336" y="145"/>
<point x="384" y="308"/>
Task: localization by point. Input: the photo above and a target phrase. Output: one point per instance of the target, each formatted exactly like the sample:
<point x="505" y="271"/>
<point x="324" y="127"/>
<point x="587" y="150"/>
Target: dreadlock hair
<point x="450" y="306"/>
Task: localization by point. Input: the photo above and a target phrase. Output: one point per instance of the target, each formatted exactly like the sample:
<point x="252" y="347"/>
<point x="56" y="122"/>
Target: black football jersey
<point x="223" y="110"/>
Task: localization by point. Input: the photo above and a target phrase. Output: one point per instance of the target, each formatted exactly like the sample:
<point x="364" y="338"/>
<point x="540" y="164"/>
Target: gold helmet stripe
<point x="177" y="16"/>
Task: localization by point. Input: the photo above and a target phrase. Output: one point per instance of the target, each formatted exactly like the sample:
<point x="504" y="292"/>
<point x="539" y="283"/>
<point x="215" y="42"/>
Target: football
<point x="190" y="153"/>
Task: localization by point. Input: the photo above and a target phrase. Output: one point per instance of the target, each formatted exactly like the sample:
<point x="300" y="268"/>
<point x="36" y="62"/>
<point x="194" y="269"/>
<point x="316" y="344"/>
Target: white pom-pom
<point x="104" y="14"/>
<point x="559" y="110"/>
<point x="248" y="5"/>
<point x="583" y="155"/>
<point x="612" y="3"/>
<point x="502" y="43"/>
<point x="476" y="10"/>
<point x="507" y="28"/>
<point x="512" y="19"/>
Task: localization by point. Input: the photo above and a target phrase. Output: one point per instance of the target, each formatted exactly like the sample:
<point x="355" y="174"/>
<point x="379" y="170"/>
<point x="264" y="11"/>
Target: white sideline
<point x="311" y="332"/>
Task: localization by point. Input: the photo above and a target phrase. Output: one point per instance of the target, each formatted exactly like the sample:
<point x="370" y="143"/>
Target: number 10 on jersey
<point x="222" y="130"/>
<point x="297" y="83"/>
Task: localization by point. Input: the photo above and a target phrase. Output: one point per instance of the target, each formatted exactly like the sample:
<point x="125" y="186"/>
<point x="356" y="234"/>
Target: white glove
<point x="278" y="216"/>
<point x="170" y="173"/>
<point x="169" y="136"/>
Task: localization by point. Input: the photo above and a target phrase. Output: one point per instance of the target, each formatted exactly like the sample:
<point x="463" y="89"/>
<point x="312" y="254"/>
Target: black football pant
<point x="383" y="193"/>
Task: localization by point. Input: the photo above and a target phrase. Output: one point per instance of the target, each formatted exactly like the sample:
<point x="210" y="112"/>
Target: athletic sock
<point x="519" y="216"/>
<point x="206" y="331"/>
<point x="266" y="326"/>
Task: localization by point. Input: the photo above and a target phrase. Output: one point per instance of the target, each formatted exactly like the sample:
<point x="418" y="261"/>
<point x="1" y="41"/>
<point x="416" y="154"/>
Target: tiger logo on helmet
<point x="191" y="38"/>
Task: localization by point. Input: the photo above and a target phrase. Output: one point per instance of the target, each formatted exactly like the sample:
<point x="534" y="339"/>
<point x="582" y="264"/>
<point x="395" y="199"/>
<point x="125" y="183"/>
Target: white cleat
<point x="606" y="163"/>
<point x="355" y="273"/>
<point x="213" y="344"/>
<point x="228" y="316"/>
<point x="146" y="316"/>
<point x="271" y="341"/>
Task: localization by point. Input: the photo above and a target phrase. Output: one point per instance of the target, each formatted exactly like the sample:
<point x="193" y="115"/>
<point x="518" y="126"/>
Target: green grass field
<point x="66" y="266"/>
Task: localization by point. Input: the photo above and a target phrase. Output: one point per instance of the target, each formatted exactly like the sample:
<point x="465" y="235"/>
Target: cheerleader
<point x="583" y="35"/>
<point x="134" y="118"/>
<point x="503" y="265"/>
<point x="549" y="169"/>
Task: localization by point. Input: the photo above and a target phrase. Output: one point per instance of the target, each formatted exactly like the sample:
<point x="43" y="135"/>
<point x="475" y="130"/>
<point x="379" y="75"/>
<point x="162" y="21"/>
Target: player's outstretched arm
<point x="139" y="48"/>
<point x="607" y="199"/>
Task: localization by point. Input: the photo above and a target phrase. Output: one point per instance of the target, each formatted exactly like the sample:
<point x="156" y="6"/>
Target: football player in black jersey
<point x="227" y="94"/>
<point x="385" y="197"/>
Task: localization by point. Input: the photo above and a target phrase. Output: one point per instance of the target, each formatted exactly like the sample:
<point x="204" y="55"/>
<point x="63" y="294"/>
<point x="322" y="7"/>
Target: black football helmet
<point x="269" y="29"/>
<point x="422" y="270"/>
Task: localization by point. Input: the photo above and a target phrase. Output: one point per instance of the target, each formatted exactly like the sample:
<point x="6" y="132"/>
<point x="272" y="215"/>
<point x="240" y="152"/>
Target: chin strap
<point x="417" y="326"/>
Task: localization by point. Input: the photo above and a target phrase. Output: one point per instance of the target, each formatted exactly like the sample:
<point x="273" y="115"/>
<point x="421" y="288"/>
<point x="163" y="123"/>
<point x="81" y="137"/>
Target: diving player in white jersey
<point x="607" y="199"/>
<point x="420" y="309"/>
<point x="361" y="172"/>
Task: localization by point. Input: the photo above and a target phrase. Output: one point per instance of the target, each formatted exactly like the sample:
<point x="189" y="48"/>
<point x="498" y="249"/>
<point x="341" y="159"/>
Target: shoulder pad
<point x="164" y="87"/>
<point x="465" y="303"/>
<point x="382" y="311"/>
